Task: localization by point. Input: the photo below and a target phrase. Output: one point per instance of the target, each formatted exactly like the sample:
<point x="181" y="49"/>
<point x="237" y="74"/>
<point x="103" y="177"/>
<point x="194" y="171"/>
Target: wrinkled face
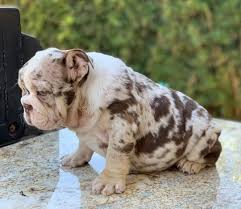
<point x="48" y="82"/>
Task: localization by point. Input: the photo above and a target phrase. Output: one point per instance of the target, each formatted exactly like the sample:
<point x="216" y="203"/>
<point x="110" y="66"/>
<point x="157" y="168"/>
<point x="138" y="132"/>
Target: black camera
<point x="15" y="49"/>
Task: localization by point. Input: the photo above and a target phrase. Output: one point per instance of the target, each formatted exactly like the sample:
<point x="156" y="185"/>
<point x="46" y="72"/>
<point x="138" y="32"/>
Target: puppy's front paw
<point x="108" y="185"/>
<point x="73" y="161"/>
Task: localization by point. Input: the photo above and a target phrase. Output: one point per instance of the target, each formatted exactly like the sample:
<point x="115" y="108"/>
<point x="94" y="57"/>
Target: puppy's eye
<point x="42" y="93"/>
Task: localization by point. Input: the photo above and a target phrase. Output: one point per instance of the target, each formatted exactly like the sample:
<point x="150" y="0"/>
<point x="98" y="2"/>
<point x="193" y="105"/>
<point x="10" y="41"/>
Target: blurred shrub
<point x="193" y="45"/>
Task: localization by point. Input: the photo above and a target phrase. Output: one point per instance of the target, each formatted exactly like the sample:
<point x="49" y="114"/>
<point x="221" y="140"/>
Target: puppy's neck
<point x="75" y="110"/>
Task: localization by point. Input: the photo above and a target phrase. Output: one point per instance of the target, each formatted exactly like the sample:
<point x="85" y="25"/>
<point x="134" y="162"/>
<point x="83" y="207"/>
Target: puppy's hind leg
<point x="213" y="154"/>
<point x="189" y="167"/>
<point x="204" y="154"/>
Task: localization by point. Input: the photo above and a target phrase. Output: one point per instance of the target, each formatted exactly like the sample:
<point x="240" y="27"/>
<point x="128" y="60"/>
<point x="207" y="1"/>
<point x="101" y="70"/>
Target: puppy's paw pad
<point x="71" y="161"/>
<point x="119" y="188"/>
<point x="190" y="167"/>
<point x="108" y="190"/>
<point x="65" y="160"/>
<point x="107" y="186"/>
<point x="196" y="167"/>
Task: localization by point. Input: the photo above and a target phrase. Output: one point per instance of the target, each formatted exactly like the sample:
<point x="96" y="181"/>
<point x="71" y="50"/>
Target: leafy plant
<point x="193" y="45"/>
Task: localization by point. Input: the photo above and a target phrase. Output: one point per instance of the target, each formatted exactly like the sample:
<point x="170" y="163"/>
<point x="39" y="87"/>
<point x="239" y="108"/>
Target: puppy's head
<point x="49" y="82"/>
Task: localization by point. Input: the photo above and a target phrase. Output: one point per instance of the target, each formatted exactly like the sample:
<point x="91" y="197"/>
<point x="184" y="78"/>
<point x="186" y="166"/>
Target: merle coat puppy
<point x="137" y="125"/>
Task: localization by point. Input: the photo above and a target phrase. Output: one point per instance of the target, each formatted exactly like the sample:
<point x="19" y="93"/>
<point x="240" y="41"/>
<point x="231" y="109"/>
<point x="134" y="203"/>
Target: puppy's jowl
<point x="118" y="113"/>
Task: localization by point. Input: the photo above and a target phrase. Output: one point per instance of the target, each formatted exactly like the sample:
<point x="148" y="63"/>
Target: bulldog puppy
<point x="137" y="125"/>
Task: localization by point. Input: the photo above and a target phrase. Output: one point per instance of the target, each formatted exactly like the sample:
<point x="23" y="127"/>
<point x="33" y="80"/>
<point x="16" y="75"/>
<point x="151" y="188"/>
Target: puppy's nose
<point x="27" y="108"/>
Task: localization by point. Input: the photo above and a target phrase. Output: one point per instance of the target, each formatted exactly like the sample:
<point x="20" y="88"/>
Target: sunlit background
<point x="193" y="46"/>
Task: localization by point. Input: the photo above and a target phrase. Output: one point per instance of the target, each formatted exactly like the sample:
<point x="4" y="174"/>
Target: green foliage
<point x="193" y="45"/>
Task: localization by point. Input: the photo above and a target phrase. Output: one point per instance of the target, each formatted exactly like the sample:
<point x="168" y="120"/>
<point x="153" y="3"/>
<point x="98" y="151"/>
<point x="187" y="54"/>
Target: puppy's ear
<point x="77" y="64"/>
